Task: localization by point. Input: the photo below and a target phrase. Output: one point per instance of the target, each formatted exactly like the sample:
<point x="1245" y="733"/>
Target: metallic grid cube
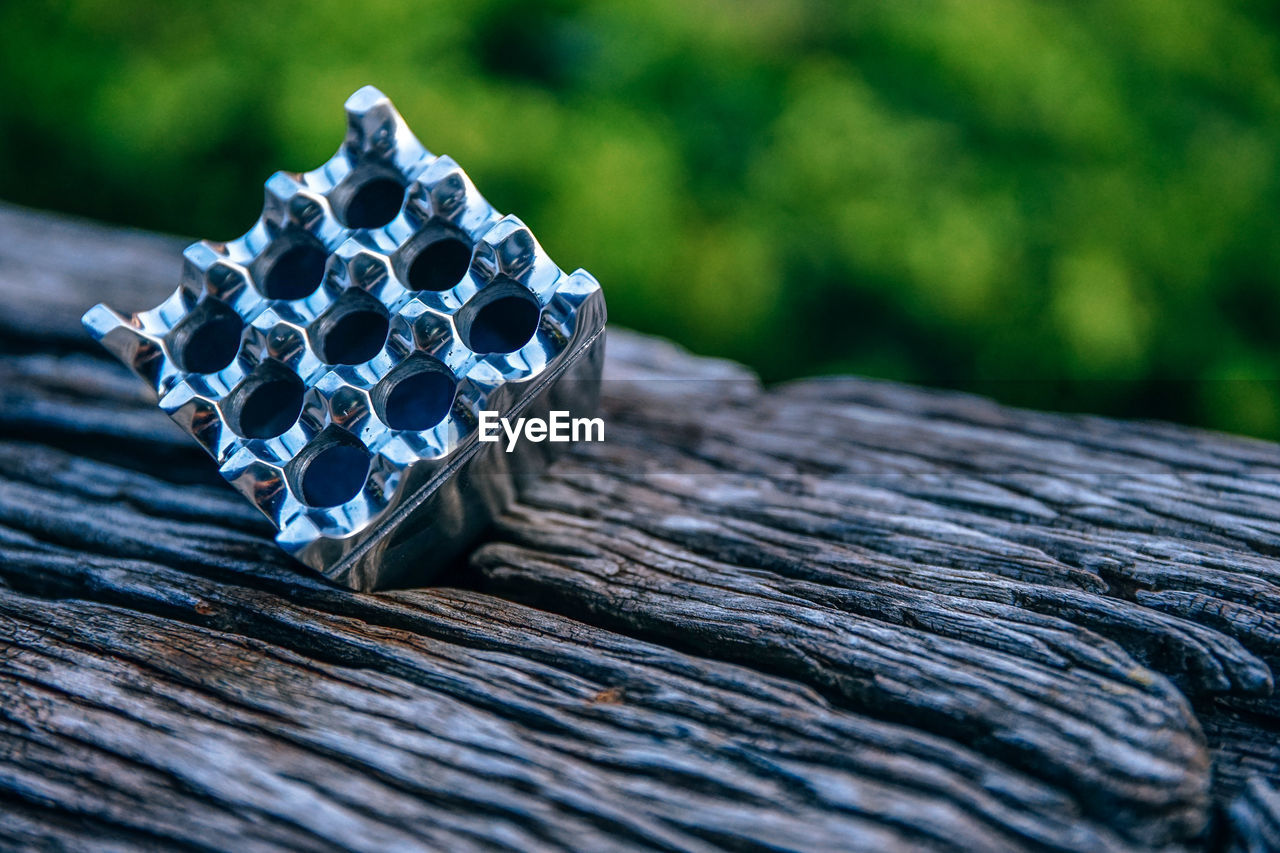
<point x="335" y="358"/>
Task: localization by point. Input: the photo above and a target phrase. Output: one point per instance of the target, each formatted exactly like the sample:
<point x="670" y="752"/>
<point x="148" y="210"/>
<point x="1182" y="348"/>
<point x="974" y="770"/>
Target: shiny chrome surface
<point x="284" y="353"/>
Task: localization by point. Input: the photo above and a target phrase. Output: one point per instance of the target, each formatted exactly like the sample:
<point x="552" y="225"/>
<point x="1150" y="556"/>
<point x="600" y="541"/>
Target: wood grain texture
<point x="835" y="614"/>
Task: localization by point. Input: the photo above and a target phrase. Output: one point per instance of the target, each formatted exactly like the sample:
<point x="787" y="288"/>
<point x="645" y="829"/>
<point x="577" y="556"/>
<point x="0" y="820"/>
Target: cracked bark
<point x="836" y="614"/>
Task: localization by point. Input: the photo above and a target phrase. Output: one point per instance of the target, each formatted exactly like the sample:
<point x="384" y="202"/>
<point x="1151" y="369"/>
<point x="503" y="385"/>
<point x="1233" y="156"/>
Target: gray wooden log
<point x="836" y="614"/>
<point x="1255" y="819"/>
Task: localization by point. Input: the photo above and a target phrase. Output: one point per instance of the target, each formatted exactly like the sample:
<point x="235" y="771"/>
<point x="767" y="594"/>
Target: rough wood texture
<point x="836" y="614"/>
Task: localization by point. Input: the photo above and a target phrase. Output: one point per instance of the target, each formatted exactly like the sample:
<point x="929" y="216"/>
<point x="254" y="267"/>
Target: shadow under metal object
<point x="334" y="360"/>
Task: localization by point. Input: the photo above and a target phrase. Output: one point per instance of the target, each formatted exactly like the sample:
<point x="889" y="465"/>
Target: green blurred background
<point x="1070" y="205"/>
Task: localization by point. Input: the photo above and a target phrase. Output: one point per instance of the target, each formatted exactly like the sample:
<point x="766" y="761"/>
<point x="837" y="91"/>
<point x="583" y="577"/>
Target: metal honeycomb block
<point x="335" y="358"/>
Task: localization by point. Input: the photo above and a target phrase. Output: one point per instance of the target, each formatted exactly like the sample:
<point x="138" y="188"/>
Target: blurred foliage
<point x="1064" y="203"/>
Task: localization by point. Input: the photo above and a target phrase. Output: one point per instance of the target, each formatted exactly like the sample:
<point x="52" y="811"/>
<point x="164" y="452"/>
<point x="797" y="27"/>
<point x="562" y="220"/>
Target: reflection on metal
<point x="334" y="359"/>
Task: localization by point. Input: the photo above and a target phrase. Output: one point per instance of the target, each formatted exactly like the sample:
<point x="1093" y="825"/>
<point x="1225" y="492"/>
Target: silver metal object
<point x="335" y="358"/>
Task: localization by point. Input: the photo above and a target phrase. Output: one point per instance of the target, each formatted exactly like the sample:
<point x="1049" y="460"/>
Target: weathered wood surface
<point x="836" y="614"/>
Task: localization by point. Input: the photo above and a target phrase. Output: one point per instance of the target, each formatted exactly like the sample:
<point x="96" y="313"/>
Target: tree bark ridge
<point x="832" y="614"/>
